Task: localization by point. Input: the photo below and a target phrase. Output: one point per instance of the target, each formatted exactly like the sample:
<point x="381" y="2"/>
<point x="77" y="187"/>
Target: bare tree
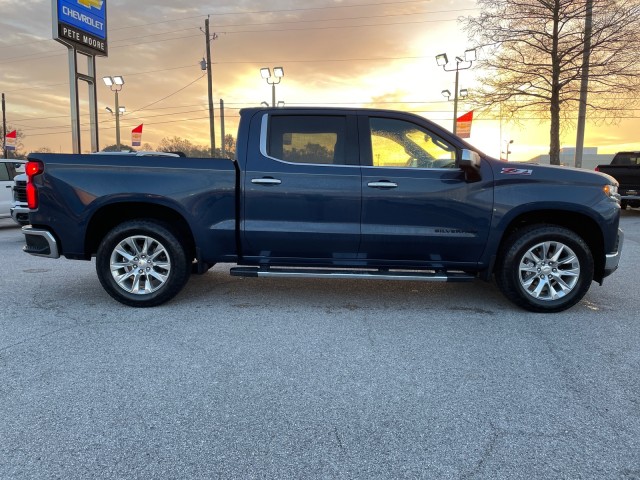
<point x="179" y="144"/>
<point x="532" y="53"/>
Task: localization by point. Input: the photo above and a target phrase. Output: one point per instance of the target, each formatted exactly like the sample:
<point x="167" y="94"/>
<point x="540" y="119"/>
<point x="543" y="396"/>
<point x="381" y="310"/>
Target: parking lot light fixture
<point x="278" y="73"/>
<point x="470" y="55"/>
<point x="442" y="59"/>
<point x="115" y="84"/>
<point x="461" y="64"/>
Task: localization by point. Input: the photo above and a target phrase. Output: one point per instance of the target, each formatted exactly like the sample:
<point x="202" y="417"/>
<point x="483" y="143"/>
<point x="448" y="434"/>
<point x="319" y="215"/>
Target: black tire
<point x="550" y="284"/>
<point x="623" y="205"/>
<point x="160" y="266"/>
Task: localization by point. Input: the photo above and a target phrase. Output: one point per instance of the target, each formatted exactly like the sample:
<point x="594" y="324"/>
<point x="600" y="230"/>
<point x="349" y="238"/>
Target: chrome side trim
<point x="263" y="136"/>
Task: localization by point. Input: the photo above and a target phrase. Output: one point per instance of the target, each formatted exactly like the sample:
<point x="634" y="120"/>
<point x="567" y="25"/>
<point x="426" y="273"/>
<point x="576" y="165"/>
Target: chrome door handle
<point x="382" y="185"/>
<point x="266" y="181"/>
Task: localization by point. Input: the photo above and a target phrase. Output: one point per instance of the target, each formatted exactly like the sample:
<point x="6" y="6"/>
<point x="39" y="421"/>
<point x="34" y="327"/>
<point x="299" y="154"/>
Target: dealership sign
<point x="81" y="24"/>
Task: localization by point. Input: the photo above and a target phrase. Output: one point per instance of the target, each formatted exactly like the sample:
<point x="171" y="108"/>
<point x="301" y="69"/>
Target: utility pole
<point x="584" y="84"/>
<point x="212" y="131"/>
<point x="4" y="131"/>
<point x="222" y="145"/>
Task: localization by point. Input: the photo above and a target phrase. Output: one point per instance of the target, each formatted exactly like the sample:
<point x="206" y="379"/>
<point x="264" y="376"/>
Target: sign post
<point x="81" y="25"/>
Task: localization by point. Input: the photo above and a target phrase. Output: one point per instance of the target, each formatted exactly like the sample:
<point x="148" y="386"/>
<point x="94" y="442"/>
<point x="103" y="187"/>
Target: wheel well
<point x="582" y="225"/>
<point x="114" y="214"/>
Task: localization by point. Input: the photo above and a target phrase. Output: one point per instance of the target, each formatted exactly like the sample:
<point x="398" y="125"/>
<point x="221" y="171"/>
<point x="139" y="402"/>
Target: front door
<point x="417" y="206"/>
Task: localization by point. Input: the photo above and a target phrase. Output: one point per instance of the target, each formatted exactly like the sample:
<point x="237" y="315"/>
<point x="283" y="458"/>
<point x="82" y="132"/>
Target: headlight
<point x="611" y="191"/>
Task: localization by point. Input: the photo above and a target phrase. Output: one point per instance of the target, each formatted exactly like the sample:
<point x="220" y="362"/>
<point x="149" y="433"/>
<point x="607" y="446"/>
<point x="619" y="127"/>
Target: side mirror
<point x="470" y="164"/>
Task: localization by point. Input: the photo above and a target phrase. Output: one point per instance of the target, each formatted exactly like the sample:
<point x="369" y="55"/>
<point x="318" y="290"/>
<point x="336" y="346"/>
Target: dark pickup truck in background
<point x="625" y="168"/>
<point x="338" y="193"/>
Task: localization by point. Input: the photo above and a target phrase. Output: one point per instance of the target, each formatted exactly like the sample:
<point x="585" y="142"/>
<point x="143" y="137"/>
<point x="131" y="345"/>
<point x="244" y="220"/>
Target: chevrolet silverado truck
<point x="332" y="193"/>
<point x="625" y="168"/>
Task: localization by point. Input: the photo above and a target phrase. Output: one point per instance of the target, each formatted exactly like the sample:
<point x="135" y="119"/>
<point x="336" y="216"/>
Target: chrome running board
<point x="413" y="275"/>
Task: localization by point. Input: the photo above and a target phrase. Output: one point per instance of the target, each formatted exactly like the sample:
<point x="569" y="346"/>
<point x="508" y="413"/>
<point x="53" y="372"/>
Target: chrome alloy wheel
<point x="549" y="271"/>
<point x="140" y="265"/>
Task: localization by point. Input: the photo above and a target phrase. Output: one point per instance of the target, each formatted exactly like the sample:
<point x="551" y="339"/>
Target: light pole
<point x="507" y="150"/>
<point x="115" y="84"/>
<point x="443" y="61"/>
<point x="278" y="73"/>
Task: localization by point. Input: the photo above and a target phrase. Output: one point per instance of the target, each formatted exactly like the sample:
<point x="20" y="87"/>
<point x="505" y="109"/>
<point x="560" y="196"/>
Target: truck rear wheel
<point x="545" y="268"/>
<point x="142" y="263"/>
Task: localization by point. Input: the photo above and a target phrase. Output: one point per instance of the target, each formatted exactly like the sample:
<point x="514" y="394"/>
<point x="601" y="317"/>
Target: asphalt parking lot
<point x="284" y="378"/>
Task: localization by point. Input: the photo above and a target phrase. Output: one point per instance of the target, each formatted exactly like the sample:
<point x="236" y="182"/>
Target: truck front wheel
<point x="545" y="268"/>
<point x="142" y="263"/>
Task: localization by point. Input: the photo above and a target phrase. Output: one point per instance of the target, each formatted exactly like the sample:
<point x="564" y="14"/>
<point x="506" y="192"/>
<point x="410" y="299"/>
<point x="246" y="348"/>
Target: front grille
<point x="20" y="192"/>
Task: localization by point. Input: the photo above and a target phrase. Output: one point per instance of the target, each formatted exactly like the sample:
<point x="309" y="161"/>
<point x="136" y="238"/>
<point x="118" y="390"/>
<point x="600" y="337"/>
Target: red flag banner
<point x="10" y="140"/>
<point x="136" y="136"/>
<point x="464" y="125"/>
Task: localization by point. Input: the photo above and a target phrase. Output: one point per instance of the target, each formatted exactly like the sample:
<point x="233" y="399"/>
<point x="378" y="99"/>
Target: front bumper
<point x="39" y="242"/>
<point x="612" y="260"/>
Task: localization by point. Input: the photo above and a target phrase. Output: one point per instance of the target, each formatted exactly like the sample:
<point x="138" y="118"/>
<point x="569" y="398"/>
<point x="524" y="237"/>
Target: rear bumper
<point x="40" y="243"/>
<point x="612" y="260"/>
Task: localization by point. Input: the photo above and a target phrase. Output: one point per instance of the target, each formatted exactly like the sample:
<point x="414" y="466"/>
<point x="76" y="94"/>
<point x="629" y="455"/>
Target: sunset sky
<point x="370" y="53"/>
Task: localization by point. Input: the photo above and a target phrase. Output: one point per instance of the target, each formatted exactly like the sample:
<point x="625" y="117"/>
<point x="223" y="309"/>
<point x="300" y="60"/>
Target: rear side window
<point x="631" y="158"/>
<point x="308" y="139"/>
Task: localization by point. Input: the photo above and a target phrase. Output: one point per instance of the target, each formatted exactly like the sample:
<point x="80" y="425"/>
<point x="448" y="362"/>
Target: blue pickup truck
<point x="324" y="192"/>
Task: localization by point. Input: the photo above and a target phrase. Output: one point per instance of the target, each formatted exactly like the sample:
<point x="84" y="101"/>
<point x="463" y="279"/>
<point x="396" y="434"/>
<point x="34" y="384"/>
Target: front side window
<point x="4" y="172"/>
<point x="398" y="143"/>
<point x="308" y="139"/>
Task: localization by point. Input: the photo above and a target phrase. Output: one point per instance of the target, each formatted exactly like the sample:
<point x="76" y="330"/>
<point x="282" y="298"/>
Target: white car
<point x="7" y="173"/>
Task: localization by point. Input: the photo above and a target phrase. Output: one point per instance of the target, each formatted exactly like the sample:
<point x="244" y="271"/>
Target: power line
<point x="170" y="95"/>
<point x="46" y="54"/>
<point x="318" y="20"/>
<point x="266" y="23"/>
<point x="291" y="10"/>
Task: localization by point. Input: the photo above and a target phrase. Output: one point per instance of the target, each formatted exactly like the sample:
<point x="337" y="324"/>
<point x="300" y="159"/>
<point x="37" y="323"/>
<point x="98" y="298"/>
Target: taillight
<point x="597" y="169"/>
<point x="32" y="168"/>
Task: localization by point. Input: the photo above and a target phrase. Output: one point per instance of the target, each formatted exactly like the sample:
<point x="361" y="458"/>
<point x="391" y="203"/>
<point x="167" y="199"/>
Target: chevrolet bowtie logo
<point x="91" y="3"/>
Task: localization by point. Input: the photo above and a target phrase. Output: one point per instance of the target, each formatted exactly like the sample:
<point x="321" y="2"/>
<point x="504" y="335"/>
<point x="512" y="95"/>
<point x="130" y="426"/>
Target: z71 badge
<point x="516" y="171"/>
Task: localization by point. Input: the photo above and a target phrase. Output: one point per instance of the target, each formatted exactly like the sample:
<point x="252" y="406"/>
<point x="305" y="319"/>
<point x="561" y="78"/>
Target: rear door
<point x="417" y="205"/>
<point x="302" y="190"/>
